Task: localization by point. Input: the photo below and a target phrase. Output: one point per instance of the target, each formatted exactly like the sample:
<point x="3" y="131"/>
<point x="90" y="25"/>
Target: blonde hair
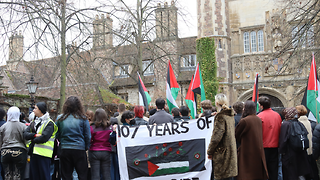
<point x="221" y="100"/>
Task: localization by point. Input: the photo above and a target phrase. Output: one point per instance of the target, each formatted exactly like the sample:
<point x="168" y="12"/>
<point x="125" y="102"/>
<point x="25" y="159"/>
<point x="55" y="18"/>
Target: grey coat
<point x="11" y="135"/>
<point x="160" y="117"/>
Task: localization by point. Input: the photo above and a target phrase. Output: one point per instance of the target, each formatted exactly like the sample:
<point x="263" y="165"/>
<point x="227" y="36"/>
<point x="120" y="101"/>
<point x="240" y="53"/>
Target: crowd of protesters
<point x="245" y="144"/>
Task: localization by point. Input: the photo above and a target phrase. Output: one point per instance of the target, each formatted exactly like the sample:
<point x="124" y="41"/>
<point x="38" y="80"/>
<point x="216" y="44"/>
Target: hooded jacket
<point x="11" y="133"/>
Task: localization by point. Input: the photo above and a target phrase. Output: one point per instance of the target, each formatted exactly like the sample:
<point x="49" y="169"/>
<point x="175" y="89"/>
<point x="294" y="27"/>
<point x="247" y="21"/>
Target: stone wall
<point x="23" y="103"/>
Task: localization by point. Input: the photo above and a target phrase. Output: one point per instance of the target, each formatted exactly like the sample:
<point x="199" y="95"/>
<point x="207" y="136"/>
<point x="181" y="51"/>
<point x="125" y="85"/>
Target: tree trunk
<point x="63" y="56"/>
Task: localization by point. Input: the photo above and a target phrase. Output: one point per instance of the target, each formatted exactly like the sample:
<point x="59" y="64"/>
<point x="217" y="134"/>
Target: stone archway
<point x="278" y="100"/>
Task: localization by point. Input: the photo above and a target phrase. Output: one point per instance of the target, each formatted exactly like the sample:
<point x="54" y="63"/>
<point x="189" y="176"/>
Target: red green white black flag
<point x="311" y="99"/>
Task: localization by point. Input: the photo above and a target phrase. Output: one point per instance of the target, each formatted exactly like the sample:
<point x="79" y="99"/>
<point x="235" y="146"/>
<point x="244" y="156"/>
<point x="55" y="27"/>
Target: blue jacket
<point x="2" y="122"/>
<point x="73" y="133"/>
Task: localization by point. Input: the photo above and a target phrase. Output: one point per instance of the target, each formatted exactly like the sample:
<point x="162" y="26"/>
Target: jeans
<point x="115" y="174"/>
<point x="100" y="164"/>
<point x="14" y="162"/>
<point x="280" y="176"/>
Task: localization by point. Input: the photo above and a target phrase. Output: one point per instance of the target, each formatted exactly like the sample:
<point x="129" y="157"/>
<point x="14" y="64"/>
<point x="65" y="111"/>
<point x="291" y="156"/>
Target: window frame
<point x="253" y="41"/>
<point x="122" y="73"/>
<point x="260" y="41"/>
<point x="246" y="42"/>
<point x="150" y="70"/>
<point x="188" y="61"/>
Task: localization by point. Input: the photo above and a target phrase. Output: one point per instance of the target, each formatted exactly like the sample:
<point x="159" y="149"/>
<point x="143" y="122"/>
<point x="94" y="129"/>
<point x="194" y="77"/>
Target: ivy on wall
<point x="208" y="64"/>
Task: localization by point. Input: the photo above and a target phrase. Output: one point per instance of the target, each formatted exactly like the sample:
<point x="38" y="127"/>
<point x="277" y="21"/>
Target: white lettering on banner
<point x="151" y="152"/>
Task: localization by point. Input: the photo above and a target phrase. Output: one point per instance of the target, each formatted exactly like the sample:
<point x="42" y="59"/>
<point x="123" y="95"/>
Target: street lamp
<point x="32" y="88"/>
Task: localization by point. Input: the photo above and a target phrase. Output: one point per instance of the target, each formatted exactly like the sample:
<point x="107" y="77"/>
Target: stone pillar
<point x="290" y="90"/>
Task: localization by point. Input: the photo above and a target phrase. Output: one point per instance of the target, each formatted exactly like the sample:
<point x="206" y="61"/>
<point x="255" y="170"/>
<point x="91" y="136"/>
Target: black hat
<point x="152" y="112"/>
<point x="42" y="107"/>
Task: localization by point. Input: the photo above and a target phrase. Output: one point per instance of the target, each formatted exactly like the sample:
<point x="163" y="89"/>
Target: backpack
<point x="298" y="136"/>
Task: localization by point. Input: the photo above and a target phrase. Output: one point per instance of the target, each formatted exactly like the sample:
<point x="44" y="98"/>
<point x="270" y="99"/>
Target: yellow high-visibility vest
<point x="46" y="149"/>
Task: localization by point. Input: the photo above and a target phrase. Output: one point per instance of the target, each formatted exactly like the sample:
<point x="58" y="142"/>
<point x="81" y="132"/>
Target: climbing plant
<point x="208" y="64"/>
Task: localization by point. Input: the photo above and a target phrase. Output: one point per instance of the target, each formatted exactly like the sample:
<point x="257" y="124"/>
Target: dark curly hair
<point x="127" y="115"/>
<point x="73" y="106"/>
<point x="100" y="118"/>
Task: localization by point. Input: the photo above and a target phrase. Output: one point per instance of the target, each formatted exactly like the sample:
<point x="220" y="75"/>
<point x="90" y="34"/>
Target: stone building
<point x="107" y="65"/>
<point x="248" y="36"/>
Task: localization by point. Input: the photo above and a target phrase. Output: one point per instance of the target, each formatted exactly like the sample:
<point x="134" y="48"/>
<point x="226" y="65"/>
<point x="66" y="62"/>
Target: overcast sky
<point x="190" y="7"/>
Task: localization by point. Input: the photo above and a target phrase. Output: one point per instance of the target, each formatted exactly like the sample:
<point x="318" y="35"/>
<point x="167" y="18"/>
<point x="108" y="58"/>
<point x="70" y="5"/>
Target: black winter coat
<point x="313" y="124"/>
<point x="316" y="142"/>
<point x="294" y="163"/>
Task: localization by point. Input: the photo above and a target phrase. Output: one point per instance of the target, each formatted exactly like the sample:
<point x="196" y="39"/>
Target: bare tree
<point x="142" y="27"/>
<point x="296" y="32"/>
<point x="53" y="25"/>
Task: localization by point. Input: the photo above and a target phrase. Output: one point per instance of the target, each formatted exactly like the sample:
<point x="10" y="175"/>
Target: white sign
<point x="173" y="151"/>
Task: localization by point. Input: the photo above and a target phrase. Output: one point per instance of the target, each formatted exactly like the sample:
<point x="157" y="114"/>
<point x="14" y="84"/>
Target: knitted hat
<point x="42" y="107"/>
<point x="290" y="113"/>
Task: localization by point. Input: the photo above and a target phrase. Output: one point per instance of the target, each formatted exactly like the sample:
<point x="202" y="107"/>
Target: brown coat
<point x="222" y="146"/>
<point x="251" y="158"/>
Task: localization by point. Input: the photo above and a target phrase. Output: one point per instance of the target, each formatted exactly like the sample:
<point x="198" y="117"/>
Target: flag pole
<point x="315" y="92"/>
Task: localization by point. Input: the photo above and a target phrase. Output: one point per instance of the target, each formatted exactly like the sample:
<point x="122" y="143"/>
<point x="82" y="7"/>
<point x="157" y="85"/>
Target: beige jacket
<point x="304" y="120"/>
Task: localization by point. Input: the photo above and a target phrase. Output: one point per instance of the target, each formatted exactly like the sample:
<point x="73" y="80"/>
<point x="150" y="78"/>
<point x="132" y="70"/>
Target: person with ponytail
<point x="222" y="148"/>
<point x="251" y="158"/>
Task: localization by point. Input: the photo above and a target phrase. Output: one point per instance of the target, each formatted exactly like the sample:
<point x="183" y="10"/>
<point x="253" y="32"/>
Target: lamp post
<point x="32" y="88"/>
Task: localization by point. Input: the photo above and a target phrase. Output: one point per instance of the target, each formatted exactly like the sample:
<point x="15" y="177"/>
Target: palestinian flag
<point x="172" y="88"/>
<point x="311" y="99"/>
<point x="190" y="100"/>
<point x="197" y="85"/>
<point x="144" y="98"/>
<point x="255" y="95"/>
<point x="166" y="158"/>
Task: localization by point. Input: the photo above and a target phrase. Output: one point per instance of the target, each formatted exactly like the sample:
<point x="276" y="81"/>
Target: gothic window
<point x="124" y="69"/>
<point x="147" y="70"/>
<point x="246" y="42"/>
<point x="253" y="41"/>
<point x="260" y="41"/>
<point x="189" y="60"/>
